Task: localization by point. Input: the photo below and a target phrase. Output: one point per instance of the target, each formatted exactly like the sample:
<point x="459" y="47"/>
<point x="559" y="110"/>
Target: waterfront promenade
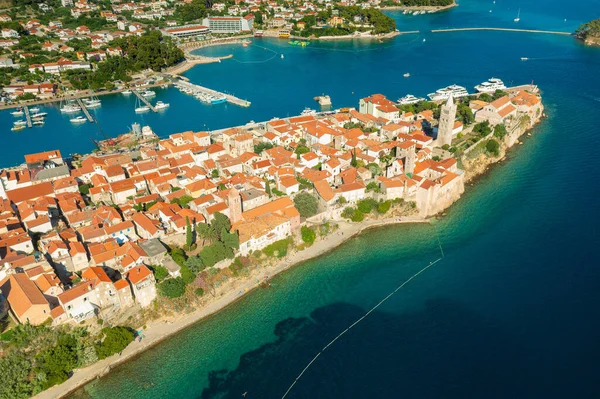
<point x="226" y="295"/>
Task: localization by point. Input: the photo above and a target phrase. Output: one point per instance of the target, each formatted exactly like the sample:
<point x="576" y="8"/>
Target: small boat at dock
<point x="160" y="105"/>
<point x="218" y="99"/>
<point x="17" y="128"/>
<point x="34" y="109"/>
<point x="79" y="119"/>
<point x="20" y="123"/>
<point x="39" y="123"/>
<point x="18" y="112"/>
<point x="148" y="93"/>
<point x="126" y="92"/>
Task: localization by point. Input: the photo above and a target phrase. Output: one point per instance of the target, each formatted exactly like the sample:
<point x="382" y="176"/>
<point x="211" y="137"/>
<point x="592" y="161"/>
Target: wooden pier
<point x="85" y="110"/>
<point x="230" y="99"/>
<point x="27" y="115"/>
<point x="143" y="99"/>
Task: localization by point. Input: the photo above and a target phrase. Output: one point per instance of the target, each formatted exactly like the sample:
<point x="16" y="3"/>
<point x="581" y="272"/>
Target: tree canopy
<point x="306" y="204"/>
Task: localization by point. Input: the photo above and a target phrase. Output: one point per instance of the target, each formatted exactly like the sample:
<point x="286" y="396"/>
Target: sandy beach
<point x="230" y="292"/>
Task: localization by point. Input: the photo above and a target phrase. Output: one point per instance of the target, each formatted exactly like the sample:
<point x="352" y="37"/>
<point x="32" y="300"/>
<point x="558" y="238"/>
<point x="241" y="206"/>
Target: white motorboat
<point x="70" y="109"/>
<point x="308" y="111"/>
<point x="406" y="75"/>
<point x="126" y="92"/>
<point x="34" y="110"/>
<point x="410" y="99"/>
<point x="20" y="123"/>
<point x="17" y="128"/>
<point x="93" y="102"/>
<point x="38" y="123"/>
<point x="17" y="113"/>
<point x="455" y="91"/>
<point x="490" y="86"/>
<point x="160" y="105"/>
<point x="79" y="119"/>
<point x="39" y="115"/>
<point x="148" y="93"/>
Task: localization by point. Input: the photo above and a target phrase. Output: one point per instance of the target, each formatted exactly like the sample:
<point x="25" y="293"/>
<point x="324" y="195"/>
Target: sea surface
<point x="512" y="308"/>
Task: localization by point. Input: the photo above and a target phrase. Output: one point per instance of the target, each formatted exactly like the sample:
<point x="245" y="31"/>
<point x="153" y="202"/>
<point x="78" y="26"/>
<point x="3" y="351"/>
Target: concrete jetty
<point x="27" y="115"/>
<point x="204" y="90"/>
<point x="143" y="99"/>
<point x="86" y="112"/>
<point x="549" y="32"/>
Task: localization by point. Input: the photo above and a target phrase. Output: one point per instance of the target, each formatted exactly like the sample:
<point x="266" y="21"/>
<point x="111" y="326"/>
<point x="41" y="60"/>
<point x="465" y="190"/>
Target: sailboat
<point x="140" y="108"/>
<point x="518" y="16"/>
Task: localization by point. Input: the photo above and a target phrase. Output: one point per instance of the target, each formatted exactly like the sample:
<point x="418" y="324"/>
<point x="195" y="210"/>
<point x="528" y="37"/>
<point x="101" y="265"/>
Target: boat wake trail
<point x="364" y="316"/>
<point x="259" y="61"/>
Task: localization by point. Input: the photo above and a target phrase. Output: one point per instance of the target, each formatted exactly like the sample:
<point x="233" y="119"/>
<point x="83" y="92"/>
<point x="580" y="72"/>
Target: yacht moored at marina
<point x="20" y="123"/>
<point x="308" y="111"/>
<point x="93" y="102"/>
<point x="126" y="92"/>
<point x="142" y="109"/>
<point x="39" y="115"/>
<point x="410" y="99"/>
<point x="148" y="93"/>
<point x="38" y="123"/>
<point x="34" y="110"/>
<point x="490" y="86"/>
<point x="79" y="119"/>
<point x="17" y="113"/>
<point x="70" y="108"/>
<point x="452" y="90"/>
<point x="160" y="105"/>
<point x="17" y="128"/>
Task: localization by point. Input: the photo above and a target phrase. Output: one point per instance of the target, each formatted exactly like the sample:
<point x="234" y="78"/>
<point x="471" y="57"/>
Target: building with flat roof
<point x="229" y="24"/>
<point x="182" y="32"/>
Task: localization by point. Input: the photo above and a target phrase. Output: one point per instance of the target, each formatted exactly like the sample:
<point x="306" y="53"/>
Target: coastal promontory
<point x="589" y="32"/>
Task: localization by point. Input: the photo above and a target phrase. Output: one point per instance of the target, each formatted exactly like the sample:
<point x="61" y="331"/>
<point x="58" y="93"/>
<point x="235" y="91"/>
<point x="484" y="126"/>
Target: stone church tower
<point x="447" y="117"/>
<point x="235" y="205"/>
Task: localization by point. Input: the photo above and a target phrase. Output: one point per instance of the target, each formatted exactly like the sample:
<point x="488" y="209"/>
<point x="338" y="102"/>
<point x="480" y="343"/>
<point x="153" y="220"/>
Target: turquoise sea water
<point x="511" y="311"/>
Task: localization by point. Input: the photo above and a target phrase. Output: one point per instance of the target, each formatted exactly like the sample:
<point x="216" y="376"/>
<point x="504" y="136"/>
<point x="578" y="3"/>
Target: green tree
<point x="306" y="204"/>
<point x="172" y="288"/>
<point x="260" y="147"/>
<point x="194" y="263"/>
<point x="482" y="128"/>
<point x="189" y="237"/>
<point x="366" y="205"/>
<point x="160" y="272"/>
<point x="230" y="240"/>
<point x="268" y="188"/>
<point x="373" y="186"/>
<point x="114" y="340"/>
<point x="465" y="115"/>
<point x="500" y="131"/>
<point x="187" y="275"/>
<point x="492" y="146"/>
<point x="354" y="162"/>
<point x="215" y="253"/>
<point x="178" y="255"/>
<point x="220" y="222"/>
<point x="308" y="235"/>
<point x="214" y="173"/>
<point x="206" y="233"/>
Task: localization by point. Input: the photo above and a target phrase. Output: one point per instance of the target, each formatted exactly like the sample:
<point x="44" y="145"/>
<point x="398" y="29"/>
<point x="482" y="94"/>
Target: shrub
<point x="178" y="255"/>
<point x="500" y="131"/>
<point x="353" y="214"/>
<point x="172" y="288"/>
<point x="492" y="146"/>
<point x="199" y="292"/>
<point x="187" y="275"/>
<point x="383" y="207"/>
<point x="366" y="205"/>
<point x="308" y="235"/>
<point x="115" y="340"/>
<point x="160" y="272"/>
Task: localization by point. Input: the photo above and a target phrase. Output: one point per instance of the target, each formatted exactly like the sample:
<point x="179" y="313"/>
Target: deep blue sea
<point x="512" y="309"/>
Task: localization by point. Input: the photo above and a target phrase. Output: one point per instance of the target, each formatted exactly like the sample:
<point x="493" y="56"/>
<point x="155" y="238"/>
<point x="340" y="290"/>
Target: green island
<point x="589" y="32"/>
